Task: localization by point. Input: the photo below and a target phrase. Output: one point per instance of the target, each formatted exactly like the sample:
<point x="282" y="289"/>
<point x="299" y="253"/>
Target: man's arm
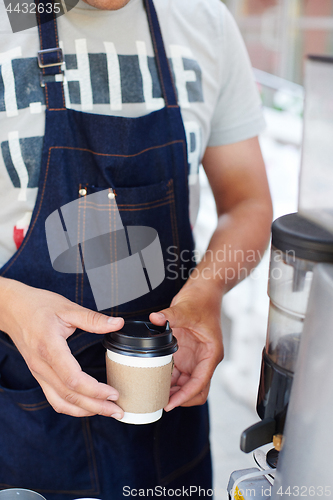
<point x="238" y="179"/>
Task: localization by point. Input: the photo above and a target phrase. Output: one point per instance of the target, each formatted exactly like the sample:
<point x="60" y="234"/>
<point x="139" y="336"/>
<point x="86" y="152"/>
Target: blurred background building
<point x="279" y="34"/>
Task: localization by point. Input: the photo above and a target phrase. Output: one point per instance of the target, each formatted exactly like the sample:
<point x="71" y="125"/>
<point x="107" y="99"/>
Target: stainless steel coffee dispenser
<point x="297" y="246"/>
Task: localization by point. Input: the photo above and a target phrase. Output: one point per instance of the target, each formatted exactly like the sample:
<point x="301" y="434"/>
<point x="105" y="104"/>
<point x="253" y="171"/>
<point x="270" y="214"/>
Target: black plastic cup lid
<point x="142" y="339"/>
<point x="307" y="240"/>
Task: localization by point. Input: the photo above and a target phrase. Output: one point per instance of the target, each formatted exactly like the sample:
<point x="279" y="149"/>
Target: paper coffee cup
<point x="139" y="365"/>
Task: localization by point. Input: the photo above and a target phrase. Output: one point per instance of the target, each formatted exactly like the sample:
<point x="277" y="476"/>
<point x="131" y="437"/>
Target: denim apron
<point x="144" y="160"/>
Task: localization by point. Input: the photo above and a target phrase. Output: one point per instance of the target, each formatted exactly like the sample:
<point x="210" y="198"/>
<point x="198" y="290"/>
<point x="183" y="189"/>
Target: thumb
<point x="91" y="321"/>
<point x="169" y="314"/>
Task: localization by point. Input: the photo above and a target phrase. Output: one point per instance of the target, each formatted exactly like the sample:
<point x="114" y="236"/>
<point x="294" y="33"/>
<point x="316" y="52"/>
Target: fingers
<point x="63" y="380"/>
<point x="200" y="398"/>
<point x="55" y="353"/>
<point x="159" y="318"/>
<point x="74" y="404"/>
<point x="70" y="388"/>
<point x="66" y="400"/>
<point x="189" y="389"/>
<point x="89" y="321"/>
<point x="185" y="393"/>
<point x="199" y="342"/>
<point x="47" y="319"/>
<point x="181" y="396"/>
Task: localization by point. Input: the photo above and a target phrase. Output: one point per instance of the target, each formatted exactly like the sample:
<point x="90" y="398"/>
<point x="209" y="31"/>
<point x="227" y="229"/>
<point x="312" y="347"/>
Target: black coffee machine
<point x="297" y="245"/>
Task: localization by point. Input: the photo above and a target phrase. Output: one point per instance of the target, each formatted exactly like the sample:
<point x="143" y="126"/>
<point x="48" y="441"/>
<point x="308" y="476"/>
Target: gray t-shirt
<point x="110" y="69"/>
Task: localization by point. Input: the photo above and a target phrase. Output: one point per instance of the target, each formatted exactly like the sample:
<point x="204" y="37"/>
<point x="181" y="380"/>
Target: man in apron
<point x="57" y="436"/>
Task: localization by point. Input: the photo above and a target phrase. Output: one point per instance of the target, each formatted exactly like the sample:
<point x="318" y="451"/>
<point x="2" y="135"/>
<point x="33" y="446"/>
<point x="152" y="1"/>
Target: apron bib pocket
<point x="151" y="206"/>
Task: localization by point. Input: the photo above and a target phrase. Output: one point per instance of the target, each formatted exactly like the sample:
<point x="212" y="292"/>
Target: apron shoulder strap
<point x="163" y="67"/>
<point x="50" y="56"/>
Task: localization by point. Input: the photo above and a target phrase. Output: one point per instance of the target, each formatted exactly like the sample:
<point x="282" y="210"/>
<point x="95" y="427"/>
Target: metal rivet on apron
<point x="82" y="192"/>
<point x="111" y="196"/>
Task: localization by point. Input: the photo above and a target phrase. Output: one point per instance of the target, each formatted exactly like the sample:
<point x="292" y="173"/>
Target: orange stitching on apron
<point x="77" y="261"/>
<point x="167" y="196"/>
<point x="185" y="159"/>
<point x="159" y="204"/>
<point x="145" y="208"/>
<point x="34" y="405"/>
<point x="173" y="208"/>
<point x="36" y="408"/>
<point x="114" y="289"/>
<point x="110" y="238"/>
<point x="116" y="267"/>
<point x="46" y="95"/>
<point x="82" y="244"/>
<point x="93" y="206"/>
<point x="171" y="215"/>
<point x="98" y="206"/>
<point x="173" y="219"/>
<point x="179" y="141"/>
<point x="110" y="234"/>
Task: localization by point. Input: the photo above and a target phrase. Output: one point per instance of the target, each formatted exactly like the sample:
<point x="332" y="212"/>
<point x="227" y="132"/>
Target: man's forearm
<point x="237" y="175"/>
<point x="236" y="246"/>
<point x="7" y="301"/>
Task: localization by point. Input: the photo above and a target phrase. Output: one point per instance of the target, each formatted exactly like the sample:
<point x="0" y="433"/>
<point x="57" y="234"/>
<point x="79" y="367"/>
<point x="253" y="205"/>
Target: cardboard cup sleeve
<point x="143" y="383"/>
